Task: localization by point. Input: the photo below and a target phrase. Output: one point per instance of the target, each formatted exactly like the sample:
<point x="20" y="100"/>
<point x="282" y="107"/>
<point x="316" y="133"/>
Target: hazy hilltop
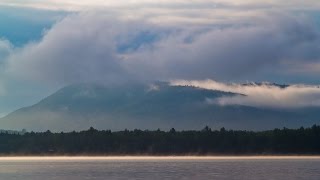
<point x="148" y="106"/>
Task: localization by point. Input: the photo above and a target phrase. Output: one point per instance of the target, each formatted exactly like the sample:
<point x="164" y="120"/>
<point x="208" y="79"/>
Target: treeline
<point x="138" y="142"/>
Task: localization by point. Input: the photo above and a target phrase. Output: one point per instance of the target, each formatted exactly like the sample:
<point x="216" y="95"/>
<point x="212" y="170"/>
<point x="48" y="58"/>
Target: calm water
<point x="159" y="169"/>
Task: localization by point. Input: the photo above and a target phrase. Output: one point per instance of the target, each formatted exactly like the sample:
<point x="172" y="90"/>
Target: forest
<point x="302" y="141"/>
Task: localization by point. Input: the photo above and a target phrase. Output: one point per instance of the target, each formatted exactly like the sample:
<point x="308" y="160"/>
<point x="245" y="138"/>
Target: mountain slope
<point x="159" y="105"/>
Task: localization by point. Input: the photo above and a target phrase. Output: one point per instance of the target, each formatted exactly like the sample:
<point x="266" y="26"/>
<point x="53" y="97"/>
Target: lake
<point x="159" y="168"/>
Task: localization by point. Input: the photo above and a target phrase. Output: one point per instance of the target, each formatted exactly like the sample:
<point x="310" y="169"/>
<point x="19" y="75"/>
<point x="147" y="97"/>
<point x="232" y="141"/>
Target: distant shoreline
<point x="204" y="143"/>
<point x="137" y="158"/>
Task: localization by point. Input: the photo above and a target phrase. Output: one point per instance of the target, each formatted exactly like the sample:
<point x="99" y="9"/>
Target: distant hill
<point x="152" y="106"/>
<point x="266" y="84"/>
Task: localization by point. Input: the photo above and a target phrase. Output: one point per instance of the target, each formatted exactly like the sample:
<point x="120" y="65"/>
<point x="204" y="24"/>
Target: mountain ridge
<point x="147" y="106"/>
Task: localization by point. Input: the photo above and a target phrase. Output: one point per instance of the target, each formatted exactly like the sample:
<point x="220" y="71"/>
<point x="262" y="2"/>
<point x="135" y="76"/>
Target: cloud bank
<point x="264" y="95"/>
<point x="98" y="46"/>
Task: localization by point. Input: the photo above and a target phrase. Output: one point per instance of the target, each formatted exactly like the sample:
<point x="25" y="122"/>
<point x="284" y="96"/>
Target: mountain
<point x="158" y="105"/>
<point x="266" y="84"/>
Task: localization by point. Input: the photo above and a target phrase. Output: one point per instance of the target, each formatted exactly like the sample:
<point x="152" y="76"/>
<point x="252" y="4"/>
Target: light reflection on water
<point x="158" y="168"/>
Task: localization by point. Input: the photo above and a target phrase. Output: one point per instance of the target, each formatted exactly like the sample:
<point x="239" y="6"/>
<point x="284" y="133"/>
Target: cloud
<point x="230" y="40"/>
<point x="88" y="46"/>
<point x="5" y="49"/>
<point x="240" y="52"/>
<point x="260" y="95"/>
<point x="79" y="48"/>
<point x="76" y="5"/>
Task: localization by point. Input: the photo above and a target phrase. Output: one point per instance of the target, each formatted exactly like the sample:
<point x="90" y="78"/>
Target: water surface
<point x="159" y="168"/>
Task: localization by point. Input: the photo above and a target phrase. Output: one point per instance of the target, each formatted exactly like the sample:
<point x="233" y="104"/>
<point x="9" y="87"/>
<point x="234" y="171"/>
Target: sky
<point x="48" y="44"/>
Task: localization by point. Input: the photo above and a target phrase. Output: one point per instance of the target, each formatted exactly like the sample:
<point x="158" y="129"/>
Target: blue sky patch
<point x="23" y="25"/>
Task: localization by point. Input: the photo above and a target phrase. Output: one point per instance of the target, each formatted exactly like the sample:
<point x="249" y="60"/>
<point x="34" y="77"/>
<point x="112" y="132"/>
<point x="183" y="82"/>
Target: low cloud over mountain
<point x="265" y="95"/>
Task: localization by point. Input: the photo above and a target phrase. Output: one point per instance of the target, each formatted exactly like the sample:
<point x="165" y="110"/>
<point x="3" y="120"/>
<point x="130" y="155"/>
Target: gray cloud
<point x="75" y="5"/>
<point x="236" y="53"/>
<point x="79" y="48"/>
<point x="84" y="47"/>
<point x="5" y="49"/>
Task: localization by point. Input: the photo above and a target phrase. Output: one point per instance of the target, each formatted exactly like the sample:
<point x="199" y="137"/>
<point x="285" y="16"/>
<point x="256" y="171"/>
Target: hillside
<point x="77" y="107"/>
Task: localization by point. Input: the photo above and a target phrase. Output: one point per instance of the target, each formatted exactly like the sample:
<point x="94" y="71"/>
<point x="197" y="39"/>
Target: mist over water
<point x="159" y="168"/>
